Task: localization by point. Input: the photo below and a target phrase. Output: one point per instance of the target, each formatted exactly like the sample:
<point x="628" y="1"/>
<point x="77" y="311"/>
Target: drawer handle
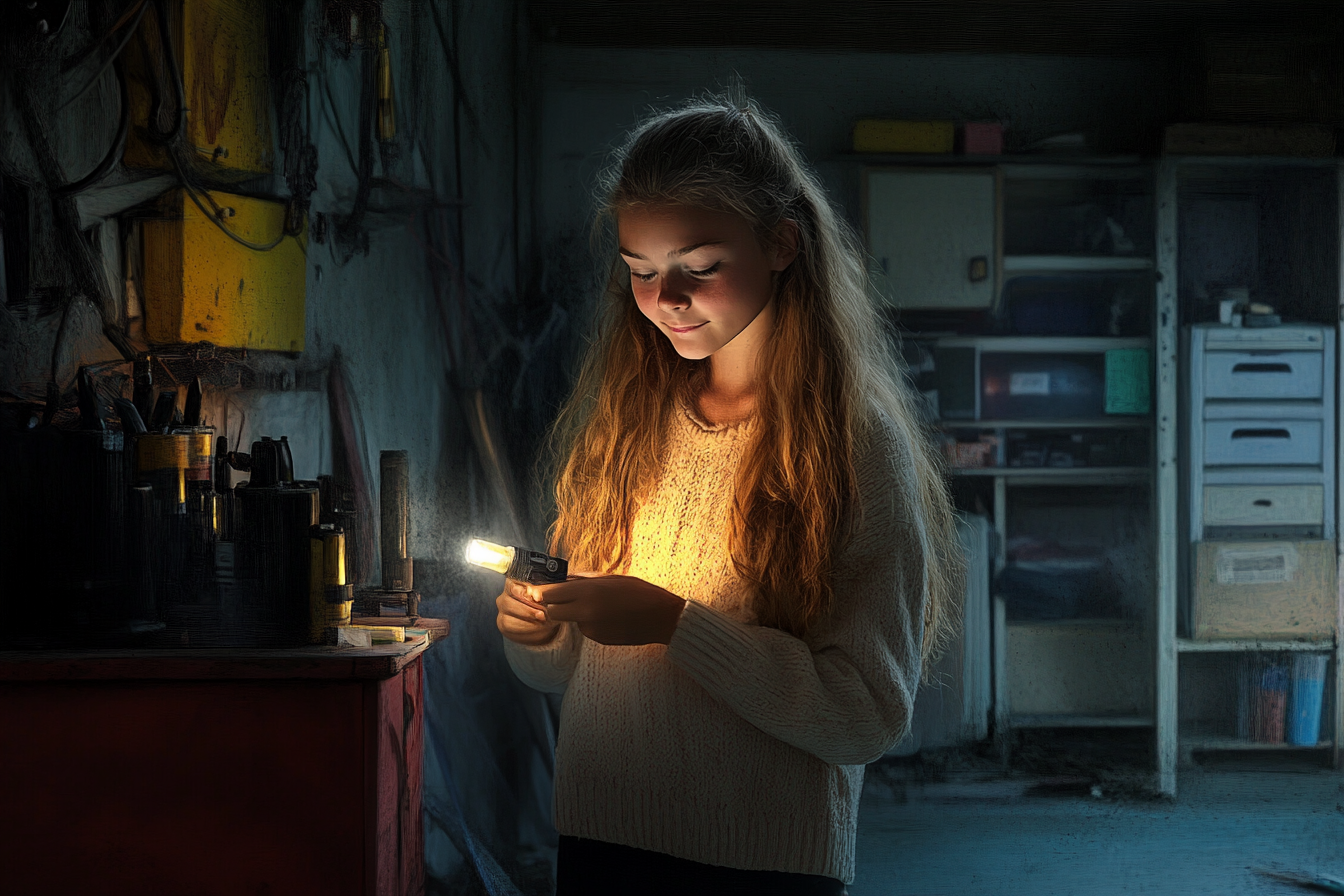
<point x="1261" y="434"/>
<point x="1263" y="502"/>
<point x="1247" y="367"/>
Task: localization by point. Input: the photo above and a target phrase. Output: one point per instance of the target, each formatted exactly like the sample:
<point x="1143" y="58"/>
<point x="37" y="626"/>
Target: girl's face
<point x="702" y="277"/>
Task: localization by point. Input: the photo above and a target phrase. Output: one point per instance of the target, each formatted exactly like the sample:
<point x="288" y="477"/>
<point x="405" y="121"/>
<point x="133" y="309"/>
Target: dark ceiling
<point x="1067" y="27"/>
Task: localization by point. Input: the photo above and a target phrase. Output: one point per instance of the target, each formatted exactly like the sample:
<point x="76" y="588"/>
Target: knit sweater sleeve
<point x="845" y="693"/>
<point x="549" y="667"/>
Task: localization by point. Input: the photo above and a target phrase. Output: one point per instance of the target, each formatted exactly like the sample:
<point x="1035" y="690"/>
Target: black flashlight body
<point x="536" y="568"/>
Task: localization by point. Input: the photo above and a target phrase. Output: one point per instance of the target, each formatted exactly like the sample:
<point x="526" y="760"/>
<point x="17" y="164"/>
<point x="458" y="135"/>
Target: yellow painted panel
<point x="201" y="286"/>
<point x="221" y="48"/>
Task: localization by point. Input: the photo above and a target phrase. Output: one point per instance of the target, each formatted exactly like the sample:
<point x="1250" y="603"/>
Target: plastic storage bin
<point x="1021" y="385"/>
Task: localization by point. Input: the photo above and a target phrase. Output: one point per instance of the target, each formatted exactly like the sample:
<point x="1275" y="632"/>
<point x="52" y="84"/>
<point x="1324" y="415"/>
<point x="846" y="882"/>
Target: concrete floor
<point x="977" y="832"/>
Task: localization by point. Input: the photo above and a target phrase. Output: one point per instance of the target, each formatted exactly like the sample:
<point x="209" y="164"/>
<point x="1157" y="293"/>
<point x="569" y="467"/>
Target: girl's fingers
<point x="566" y="612"/>
<point x="511" y="606"/>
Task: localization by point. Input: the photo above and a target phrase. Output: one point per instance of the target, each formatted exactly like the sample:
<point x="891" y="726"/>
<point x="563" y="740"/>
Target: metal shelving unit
<point x="1118" y="686"/>
<point x="1175" y="745"/>
<point x="1017" y="264"/>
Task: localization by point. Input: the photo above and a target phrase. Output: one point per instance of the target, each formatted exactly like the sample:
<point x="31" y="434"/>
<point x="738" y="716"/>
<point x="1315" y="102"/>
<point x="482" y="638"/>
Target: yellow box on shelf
<point x="222" y="48"/>
<point x="201" y="286"/>
<point x="887" y="135"/>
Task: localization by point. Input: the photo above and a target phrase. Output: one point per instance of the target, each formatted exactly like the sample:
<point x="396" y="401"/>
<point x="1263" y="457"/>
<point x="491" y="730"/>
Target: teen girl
<point x="771" y="549"/>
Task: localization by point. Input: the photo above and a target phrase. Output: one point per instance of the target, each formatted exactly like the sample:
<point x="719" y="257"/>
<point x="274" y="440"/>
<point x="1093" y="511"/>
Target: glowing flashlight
<point x="532" y="567"/>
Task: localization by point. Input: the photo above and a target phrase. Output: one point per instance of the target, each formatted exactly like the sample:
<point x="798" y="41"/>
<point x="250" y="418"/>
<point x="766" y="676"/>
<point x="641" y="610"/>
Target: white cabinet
<point x="933" y="236"/>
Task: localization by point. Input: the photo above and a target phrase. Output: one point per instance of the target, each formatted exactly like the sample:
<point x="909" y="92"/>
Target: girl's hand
<point x="521" y="619"/>
<point x="613" y="609"/>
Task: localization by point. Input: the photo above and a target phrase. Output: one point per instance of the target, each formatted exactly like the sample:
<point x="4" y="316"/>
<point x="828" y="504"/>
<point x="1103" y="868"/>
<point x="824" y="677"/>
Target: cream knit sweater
<point x="737" y="744"/>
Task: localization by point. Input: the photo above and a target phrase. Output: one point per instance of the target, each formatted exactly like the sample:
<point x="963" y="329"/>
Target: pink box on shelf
<point x="981" y="138"/>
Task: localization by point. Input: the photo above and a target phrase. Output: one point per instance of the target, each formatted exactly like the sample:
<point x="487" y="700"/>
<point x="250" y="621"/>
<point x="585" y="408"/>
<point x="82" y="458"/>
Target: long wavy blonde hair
<point x="828" y="362"/>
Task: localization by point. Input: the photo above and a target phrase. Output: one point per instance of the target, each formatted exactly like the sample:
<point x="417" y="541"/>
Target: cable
<point x="214" y="216"/>
<point x="117" y="149"/>
<point x="175" y="75"/>
<point x="170" y="139"/>
<point x="108" y="62"/>
<point x="73" y="61"/>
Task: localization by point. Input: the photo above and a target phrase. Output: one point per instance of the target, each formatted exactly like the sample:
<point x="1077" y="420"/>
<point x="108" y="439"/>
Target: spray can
<point x="330" y="597"/>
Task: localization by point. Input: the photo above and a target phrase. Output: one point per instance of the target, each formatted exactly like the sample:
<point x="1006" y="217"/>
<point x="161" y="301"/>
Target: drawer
<point x="1264" y="505"/>
<point x="1234" y="443"/>
<point x="1263" y="374"/>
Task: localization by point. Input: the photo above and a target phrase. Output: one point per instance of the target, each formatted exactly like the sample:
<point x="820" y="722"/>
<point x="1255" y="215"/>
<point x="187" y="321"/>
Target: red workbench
<point x="208" y="771"/>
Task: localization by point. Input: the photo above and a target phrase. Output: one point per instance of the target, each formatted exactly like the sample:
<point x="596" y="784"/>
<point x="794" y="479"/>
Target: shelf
<point x="1187" y="645"/>
<point x="1236" y="743"/>
<point x="1059" y="475"/>
<point x="1046" y="162"/>
<point x="1090" y="622"/>
<point x="1116" y="422"/>
<point x="1071" y="720"/>
<point x="1116" y="169"/>
<point x="119" y="193"/>
<point x="1016" y="264"/>
<point x="1254" y="161"/>
<point x="97" y="203"/>
<point x="1044" y="344"/>
<point x="1266" y="475"/>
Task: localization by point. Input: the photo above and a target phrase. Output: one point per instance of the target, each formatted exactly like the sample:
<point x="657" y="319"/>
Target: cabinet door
<point x="932" y="234"/>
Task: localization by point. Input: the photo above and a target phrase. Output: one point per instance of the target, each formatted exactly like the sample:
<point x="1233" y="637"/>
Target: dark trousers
<point x="596" y="868"/>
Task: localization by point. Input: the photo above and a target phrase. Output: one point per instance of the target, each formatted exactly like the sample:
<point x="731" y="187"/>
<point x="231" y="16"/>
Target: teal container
<point x="1304" y="710"/>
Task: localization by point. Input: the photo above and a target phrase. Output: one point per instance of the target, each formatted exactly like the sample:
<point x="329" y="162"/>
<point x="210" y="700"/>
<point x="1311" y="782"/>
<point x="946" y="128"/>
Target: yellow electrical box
<point x="220" y="46"/>
<point x="201" y="286"/>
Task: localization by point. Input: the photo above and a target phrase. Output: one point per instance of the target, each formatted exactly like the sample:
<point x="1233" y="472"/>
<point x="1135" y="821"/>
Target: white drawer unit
<point x="1235" y="443"/>
<point x="1258" y="441"/>
<point x="1264" y="506"/>
<point x="1259" y="375"/>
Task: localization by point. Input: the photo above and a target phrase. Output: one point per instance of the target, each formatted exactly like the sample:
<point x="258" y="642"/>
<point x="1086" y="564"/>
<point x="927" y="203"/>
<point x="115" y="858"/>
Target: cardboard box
<point x="1275" y="590"/>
